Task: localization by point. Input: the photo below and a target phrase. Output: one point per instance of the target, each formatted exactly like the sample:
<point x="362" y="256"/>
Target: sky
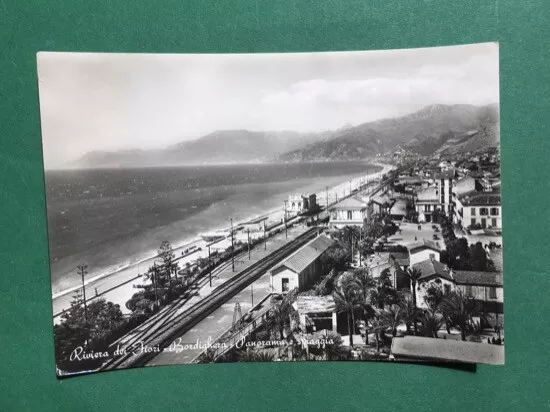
<point x="107" y="101"/>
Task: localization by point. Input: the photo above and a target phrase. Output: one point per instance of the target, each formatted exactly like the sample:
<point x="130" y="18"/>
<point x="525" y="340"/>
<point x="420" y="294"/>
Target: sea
<point x="110" y="219"/>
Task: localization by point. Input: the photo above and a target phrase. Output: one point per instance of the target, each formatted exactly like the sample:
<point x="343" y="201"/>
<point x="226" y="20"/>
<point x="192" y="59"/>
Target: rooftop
<point x="423" y="244"/>
<point x="349" y="204"/>
<point x="474" y="198"/>
<point x="468" y="277"/>
<point x="315" y="304"/>
<point x="401" y="258"/>
<point x="429" y="194"/>
<point x="416" y="347"/>
<point x="432" y="267"/>
<point x="307" y="254"/>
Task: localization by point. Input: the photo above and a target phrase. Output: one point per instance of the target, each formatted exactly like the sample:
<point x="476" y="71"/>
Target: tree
<point x="431" y="323"/>
<point x="392" y="316"/>
<point x="104" y="319"/>
<point x="279" y="316"/>
<point x="408" y="310"/>
<point x="458" y="310"/>
<point x="364" y="284"/>
<point x="347" y="299"/>
<point x="384" y="294"/>
<point x="433" y="298"/>
<point x="337" y="257"/>
<point x="166" y="253"/>
<point x="413" y="274"/>
<point x="333" y="349"/>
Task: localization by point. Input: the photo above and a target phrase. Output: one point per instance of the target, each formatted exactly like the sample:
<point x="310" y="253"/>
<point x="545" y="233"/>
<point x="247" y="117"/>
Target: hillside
<point x="226" y="146"/>
<point x="431" y="129"/>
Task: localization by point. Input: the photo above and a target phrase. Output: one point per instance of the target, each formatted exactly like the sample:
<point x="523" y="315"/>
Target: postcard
<point x="332" y="206"/>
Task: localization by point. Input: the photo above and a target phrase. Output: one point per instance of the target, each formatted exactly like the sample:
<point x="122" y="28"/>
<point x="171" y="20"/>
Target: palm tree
<point x="392" y="316"/>
<point x="347" y="299"/>
<point x="364" y="284"/>
<point x="414" y="275"/>
<point x="333" y="349"/>
<point x="408" y="311"/>
<point x="458" y="310"/>
<point x="279" y="317"/>
<point x="431" y="323"/>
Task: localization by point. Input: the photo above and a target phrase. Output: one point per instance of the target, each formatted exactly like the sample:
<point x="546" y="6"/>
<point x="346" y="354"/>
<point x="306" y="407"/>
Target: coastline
<point x="339" y="190"/>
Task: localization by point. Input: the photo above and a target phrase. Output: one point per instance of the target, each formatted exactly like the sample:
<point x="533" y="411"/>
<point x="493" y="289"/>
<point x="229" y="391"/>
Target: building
<point x="427" y="201"/>
<point x="479" y="208"/>
<point x="434" y="274"/>
<point x="302" y="268"/>
<point x="302" y="203"/>
<point x="379" y="203"/>
<point x="444" y="183"/>
<point x="484" y="287"/>
<point x="351" y="211"/>
<point x="317" y="313"/>
<point x="399" y="210"/>
<point x="422" y="250"/>
<point x="416" y="348"/>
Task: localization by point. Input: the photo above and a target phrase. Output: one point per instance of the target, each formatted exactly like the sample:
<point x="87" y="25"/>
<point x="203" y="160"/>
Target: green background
<point x="27" y="379"/>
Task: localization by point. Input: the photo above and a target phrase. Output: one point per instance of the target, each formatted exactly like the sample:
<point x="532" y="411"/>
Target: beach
<point x="116" y="285"/>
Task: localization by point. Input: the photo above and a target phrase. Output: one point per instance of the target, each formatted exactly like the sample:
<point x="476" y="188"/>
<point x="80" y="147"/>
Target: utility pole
<point x="360" y="236"/>
<point x="81" y="270"/>
<point x="265" y="237"/>
<point x="209" y="267"/>
<point x="286" y="232"/>
<point x="232" y="247"/>
<point x="155" y="282"/>
<point x="350" y="187"/>
<point x="248" y="235"/>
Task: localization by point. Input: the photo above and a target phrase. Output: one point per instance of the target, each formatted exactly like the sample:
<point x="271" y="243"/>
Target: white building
<point x="423" y="250"/>
<point x="302" y="268"/>
<point x="483" y="208"/>
<point x="349" y="212"/>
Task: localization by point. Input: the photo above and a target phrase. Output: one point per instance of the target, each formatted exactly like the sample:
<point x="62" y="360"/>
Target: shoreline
<point x="183" y="244"/>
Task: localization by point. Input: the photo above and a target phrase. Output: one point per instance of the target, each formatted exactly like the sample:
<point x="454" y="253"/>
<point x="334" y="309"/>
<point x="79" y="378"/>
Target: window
<point x="494" y="211"/>
<point x="483" y="211"/>
<point x="447" y="289"/>
<point x="483" y="223"/>
<point x="284" y="285"/>
<point x="473" y="222"/>
<point x="432" y="255"/>
<point x="473" y="211"/>
<point x="427" y="208"/>
<point x="492" y="292"/>
<point x="469" y="292"/>
<point x="350" y="214"/>
<point x="493" y="222"/>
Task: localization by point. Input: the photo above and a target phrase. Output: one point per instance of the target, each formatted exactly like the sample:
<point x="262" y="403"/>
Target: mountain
<point x="435" y="128"/>
<point x="225" y="146"/>
<point x="444" y="129"/>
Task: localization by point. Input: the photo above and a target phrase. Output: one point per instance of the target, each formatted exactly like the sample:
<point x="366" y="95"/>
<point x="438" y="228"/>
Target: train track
<point x="160" y="331"/>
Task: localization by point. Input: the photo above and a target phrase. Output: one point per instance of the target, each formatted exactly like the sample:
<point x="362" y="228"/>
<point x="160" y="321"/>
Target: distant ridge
<point x="436" y="128"/>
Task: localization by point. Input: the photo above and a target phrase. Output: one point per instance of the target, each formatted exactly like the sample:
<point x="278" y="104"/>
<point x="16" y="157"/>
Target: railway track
<point x="148" y="339"/>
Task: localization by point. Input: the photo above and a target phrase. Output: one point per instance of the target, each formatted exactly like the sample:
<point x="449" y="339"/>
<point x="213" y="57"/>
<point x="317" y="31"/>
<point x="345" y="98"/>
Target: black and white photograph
<point x="323" y="206"/>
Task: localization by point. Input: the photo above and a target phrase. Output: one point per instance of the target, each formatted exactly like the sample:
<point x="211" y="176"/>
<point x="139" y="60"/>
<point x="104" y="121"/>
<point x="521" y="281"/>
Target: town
<point x="405" y="266"/>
